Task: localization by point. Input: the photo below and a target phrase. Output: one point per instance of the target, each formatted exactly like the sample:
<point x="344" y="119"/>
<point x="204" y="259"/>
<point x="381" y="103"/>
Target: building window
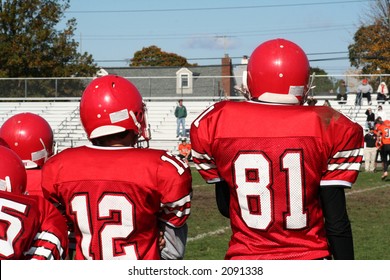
<point x="184" y="80"/>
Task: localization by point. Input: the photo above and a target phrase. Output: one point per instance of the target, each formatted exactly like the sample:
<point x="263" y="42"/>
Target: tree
<point x="30" y="46"/>
<point x="323" y="84"/>
<point x="371" y="48"/>
<point x="154" y="56"/>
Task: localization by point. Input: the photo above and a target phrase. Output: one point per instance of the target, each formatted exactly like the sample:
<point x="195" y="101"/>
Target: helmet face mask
<point x="278" y="71"/>
<point x="13" y="177"/>
<point x="111" y="104"/>
<point x="30" y="136"/>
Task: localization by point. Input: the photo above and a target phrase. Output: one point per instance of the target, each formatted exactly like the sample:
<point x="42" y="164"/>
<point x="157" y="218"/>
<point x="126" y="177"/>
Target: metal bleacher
<point x="64" y="118"/>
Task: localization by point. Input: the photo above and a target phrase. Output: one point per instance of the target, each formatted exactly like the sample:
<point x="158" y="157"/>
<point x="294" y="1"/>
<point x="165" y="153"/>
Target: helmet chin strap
<point x="309" y="88"/>
<point x="137" y="124"/>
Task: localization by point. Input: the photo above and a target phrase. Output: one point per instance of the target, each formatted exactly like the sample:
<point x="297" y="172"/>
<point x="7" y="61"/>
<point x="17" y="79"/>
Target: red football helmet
<point x="111" y="104"/>
<point x="13" y="177"/>
<point x="278" y="71"/>
<point x="30" y="136"/>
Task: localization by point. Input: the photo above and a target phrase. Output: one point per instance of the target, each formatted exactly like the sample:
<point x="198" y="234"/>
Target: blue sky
<point x="203" y="31"/>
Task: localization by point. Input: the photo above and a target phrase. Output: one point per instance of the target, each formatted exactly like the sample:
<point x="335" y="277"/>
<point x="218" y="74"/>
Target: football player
<point x="284" y="166"/>
<point x="117" y="196"/>
<point x="30" y="226"/>
<point x="31" y="137"/>
<point x="384" y="135"/>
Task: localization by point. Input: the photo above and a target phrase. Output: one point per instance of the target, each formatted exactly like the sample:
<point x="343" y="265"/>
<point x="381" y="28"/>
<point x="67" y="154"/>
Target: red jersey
<point x="274" y="159"/>
<point x="31" y="228"/>
<point x="34" y="182"/>
<point x="115" y="197"/>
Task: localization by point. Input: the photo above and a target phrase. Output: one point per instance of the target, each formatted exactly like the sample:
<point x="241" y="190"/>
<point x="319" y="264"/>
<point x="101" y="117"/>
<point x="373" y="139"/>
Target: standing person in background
<point x="378" y="144"/>
<point x="370" y="150"/>
<point x="285" y="187"/>
<point x="364" y="90"/>
<point x="30" y="227"/>
<point x="119" y="197"/>
<point x="181" y="114"/>
<point x="31" y="138"/>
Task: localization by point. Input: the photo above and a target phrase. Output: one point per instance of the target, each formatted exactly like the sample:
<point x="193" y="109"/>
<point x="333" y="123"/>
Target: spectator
<point x="370" y="150"/>
<point x="382" y="93"/>
<point x="370" y="120"/>
<point x="385" y="149"/>
<point x="381" y="113"/>
<point x="342" y="92"/>
<point x="311" y="101"/>
<point x="119" y="197"/>
<point x="363" y="90"/>
<point x="378" y="144"/>
<point x="185" y="150"/>
<point x="327" y="103"/>
<point x="181" y="114"/>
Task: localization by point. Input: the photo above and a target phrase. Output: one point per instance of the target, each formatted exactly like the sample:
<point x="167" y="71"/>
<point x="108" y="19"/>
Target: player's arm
<point x="222" y="196"/>
<point x="175" y="242"/>
<point x="337" y="224"/>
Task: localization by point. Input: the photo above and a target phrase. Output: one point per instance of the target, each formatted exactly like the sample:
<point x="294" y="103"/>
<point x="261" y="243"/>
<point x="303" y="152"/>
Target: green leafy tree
<point x="154" y="56"/>
<point x="370" y="51"/>
<point x="323" y="84"/>
<point x="31" y="46"/>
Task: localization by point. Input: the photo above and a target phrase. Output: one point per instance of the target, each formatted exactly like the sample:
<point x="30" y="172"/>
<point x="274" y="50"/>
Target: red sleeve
<point x="51" y="242"/>
<point x="345" y="140"/>
<point x="175" y="183"/>
<point x="201" y="135"/>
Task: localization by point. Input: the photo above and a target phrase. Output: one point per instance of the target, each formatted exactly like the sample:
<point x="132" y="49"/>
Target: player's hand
<point x="161" y="240"/>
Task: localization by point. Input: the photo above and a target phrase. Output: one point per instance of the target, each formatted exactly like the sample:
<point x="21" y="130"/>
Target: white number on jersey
<point x="107" y="234"/>
<point x="253" y="178"/>
<point x="14" y="225"/>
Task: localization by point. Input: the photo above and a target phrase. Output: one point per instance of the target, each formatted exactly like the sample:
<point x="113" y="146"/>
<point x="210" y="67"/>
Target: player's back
<point x="384" y="129"/>
<point x="115" y="197"/>
<point x="19" y="223"/>
<point x="274" y="158"/>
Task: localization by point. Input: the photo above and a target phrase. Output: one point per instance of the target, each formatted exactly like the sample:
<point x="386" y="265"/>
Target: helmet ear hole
<point x="139" y="116"/>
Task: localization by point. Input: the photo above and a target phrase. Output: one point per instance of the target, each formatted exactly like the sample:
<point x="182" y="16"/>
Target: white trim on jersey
<point x="335" y="183"/>
<point x="178" y="203"/>
<point x="344" y="166"/>
<point x="197" y="155"/>
<point x="348" y="154"/>
<point x="205" y="166"/>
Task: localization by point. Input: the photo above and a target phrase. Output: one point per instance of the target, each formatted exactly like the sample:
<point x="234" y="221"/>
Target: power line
<point x="217" y="8"/>
<point x="239" y="57"/>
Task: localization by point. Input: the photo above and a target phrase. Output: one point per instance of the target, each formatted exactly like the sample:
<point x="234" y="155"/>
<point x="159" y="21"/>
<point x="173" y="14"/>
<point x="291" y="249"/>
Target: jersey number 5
<point x="14" y="228"/>
<point x="253" y="179"/>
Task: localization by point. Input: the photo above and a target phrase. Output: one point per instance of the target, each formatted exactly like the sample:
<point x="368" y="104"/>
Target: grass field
<point x="369" y="210"/>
